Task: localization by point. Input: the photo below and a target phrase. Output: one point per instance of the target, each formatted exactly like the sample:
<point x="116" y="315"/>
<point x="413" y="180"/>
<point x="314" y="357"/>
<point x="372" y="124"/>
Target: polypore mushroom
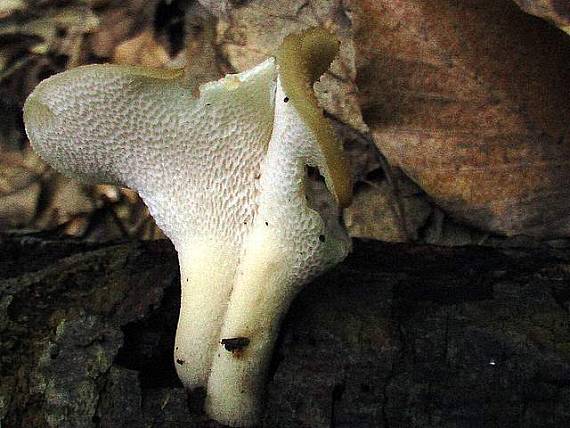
<point x="224" y="176"/>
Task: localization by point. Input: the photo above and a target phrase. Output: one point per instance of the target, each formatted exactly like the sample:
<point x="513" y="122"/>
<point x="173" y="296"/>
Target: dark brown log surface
<point x="396" y="336"/>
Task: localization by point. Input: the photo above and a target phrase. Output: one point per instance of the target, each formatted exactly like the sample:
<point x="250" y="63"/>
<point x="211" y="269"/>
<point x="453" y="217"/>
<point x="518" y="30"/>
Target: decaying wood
<point x="398" y="335"/>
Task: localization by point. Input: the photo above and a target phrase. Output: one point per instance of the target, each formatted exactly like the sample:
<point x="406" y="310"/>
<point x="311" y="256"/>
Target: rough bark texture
<point x="398" y="335"/>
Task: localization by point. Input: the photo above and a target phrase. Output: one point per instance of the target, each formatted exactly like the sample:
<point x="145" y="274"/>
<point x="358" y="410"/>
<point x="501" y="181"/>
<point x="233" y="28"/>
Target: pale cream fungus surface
<point x="224" y="176"/>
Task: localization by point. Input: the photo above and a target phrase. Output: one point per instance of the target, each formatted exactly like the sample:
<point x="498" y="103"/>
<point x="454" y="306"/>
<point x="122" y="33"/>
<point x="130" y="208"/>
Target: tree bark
<point x="397" y="335"/>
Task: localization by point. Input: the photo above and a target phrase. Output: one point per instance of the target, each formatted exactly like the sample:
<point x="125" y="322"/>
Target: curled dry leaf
<point x="375" y="213"/>
<point x="471" y="101"/>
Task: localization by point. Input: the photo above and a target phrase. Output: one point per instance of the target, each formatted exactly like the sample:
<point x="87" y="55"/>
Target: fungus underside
<point x="224" y="176"/>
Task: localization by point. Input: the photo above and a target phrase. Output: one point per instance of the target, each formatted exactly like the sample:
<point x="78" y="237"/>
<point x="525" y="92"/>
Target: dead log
<point x="398" y="335"/>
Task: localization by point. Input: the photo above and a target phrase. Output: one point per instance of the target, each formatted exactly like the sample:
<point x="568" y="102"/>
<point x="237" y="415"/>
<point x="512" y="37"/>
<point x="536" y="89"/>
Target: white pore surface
<point x="192" y="160"/>
<point x="289" y="245"/>
<point x="224" y="176"/>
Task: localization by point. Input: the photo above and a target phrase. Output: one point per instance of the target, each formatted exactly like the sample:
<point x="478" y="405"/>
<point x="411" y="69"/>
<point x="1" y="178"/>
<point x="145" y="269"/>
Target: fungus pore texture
<point x="224" y="175"/>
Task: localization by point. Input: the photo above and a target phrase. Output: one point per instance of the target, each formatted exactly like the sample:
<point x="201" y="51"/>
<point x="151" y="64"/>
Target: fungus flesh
<point x="224" y="175"/>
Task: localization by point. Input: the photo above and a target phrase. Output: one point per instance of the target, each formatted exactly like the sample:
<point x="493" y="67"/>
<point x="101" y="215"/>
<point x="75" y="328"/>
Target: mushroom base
<point x="229" y="321"/>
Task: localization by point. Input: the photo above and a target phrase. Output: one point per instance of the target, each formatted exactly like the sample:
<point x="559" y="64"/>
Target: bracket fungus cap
<point x="224" y="176"/>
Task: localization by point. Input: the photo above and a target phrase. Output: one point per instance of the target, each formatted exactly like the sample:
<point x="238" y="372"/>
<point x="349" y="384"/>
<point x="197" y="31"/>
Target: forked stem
<point x="207" y="272"/>
<point x="261" y="295"/>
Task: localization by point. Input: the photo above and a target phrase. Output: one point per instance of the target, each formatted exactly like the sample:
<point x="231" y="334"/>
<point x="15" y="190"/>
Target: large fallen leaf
<point x="470" y="99"/>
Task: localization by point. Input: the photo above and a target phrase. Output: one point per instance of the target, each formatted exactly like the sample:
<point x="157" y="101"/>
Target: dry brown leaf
<point x="376" y="213"/>
<point x="66" y="199"/>
<point x="466" y="97"/>
<point x="47" y="29"/>
<point x="471" y="101"/>
<point x="201" y="63"/>
<point x="142" y="49"/>
<point x="119" y="21"/>
<point x="116" y="26"/>
<point x="18" y="169"/>
<point x="17" y="209"/>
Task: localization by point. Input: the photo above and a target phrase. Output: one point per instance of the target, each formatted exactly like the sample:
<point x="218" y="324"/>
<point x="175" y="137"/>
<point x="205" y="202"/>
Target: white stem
<point x="207" y="274"/>
<point x="261" y="296"/>
<point x="235" y="300"/>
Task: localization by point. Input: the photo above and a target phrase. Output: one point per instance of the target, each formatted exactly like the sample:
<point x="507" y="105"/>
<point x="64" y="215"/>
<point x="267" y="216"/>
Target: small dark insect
<point x="286" y="99"/>
<point x="235" y="343"/>
<point x="179" y="361"/>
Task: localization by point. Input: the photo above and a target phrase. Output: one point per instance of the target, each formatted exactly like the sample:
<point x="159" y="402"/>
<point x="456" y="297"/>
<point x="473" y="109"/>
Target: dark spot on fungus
<point x="286" y="99"/>
<point x="322" y="238"/>
<point x="179" y="361"/>
<point x="266" y="223"/>
<point x="257" y="176"/>
<point x="235" y="343"/>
